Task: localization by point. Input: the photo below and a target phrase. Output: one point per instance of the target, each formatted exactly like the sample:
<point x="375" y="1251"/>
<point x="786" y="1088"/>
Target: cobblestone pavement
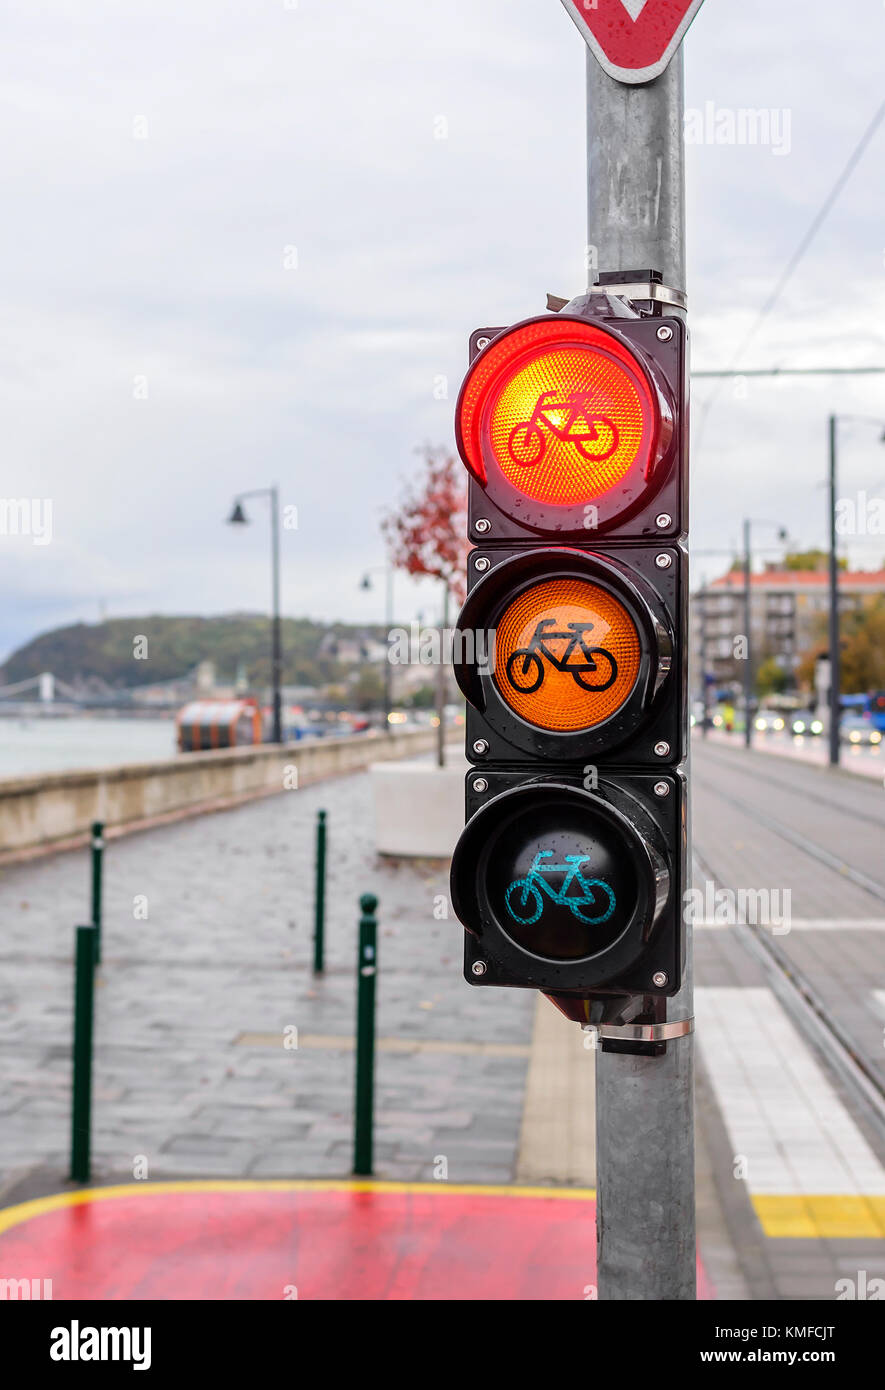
<point x="192" y="1077"/>
<point x="225" y="951"/>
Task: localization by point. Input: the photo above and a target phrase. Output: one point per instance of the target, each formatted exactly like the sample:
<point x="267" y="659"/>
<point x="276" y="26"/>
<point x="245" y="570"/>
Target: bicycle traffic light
<point x="570" y="651"/>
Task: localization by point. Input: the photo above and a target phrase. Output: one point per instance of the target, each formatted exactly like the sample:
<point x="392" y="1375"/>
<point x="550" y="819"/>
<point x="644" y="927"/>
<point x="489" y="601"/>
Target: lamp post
<point x="238" y="518"/>
<point x="833" y="625"/>
<point x="749" y="522"/>
<point x="366" y="583"/>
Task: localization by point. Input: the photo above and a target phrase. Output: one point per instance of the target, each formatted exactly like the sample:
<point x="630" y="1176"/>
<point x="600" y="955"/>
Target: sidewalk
<point x="191" y="1076"/>
<point x="474" y="1086"/>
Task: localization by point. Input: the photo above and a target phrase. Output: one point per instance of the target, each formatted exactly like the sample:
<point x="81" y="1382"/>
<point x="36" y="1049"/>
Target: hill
<point x="176" y="644"/>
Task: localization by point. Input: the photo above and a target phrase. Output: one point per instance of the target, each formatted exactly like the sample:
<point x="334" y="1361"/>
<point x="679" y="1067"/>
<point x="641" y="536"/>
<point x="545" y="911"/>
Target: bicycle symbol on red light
<point x="563" y="417"/>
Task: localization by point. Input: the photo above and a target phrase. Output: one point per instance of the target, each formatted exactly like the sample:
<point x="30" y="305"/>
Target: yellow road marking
<point x="38" y="1206"/>
<point x="344" y="1042"/>
<point x="821" y="1216"/>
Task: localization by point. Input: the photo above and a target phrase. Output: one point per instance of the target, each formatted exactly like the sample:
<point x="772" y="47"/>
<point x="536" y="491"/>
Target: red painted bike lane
<point x="306" y="1240"/>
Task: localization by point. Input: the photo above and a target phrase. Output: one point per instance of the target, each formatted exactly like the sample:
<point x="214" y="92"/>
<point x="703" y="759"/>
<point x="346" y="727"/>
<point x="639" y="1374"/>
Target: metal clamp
<point x="642" y="1032"/>
<point x="646" y="289"/>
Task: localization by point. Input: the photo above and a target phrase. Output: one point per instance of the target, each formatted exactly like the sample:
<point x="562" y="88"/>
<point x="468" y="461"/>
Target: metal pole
<point x="388" y="667"/>
<point x="97" y="850"/>
<point x="705" y="722"/>
<point x="835" y="663"/>
<point x="644" y="1105"/>
<point x="319" y="926"/>
<point x="367" y="965"/>
<point x="748" y="622"/>
<point x="441" y="681"/>
<point x="276" y="636"/>
<point x="81" y="1101"/>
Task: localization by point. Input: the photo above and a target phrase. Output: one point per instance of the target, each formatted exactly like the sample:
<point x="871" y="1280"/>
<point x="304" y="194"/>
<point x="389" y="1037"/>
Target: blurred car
<point x="769" y="721"/>
<point x="857" y="730"/>
<point x="804" y="721"/>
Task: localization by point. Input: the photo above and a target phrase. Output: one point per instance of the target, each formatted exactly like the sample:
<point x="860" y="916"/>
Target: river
<point x="29" y="745"/>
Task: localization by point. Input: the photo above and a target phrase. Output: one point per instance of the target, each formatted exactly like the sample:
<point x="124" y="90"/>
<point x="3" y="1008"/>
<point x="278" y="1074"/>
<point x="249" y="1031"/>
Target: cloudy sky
<point x="244" y="240"/>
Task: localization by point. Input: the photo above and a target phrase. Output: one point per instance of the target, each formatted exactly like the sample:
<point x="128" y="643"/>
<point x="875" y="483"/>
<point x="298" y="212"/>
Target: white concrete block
<point x="419" y="808"/>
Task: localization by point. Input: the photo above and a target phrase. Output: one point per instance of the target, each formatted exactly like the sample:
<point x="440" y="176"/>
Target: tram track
<point x="802" y="1001"/>
<point x="797" y="839"/>
<point x="843" y="780"/>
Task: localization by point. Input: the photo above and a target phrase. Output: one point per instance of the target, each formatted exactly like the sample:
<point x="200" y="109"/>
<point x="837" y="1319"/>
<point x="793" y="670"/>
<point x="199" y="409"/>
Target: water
<point x="61" y="745"/>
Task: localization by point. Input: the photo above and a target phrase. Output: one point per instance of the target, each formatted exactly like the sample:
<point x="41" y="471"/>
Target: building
<point x="787" y="608"/>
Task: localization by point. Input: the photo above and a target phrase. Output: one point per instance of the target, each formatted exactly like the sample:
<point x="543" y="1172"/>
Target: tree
<point x="861" y="648"/>
<point x="426" y="536"/>
<point x="815" y="559"/>
<point x="367" y="691"/>
<point x="771" y="678"/>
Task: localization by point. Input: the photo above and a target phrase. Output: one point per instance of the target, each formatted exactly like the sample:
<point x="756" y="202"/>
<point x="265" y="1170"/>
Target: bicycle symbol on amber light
<point x="525" y="666"/>
<point x="569" y="418"/>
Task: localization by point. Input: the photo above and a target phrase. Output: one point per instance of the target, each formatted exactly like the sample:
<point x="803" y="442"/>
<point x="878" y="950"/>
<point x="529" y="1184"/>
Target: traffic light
<point x="570" y="651"/>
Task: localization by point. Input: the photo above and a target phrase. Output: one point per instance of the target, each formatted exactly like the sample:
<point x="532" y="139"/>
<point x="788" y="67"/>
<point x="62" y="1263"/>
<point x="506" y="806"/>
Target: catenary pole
<point x="644" y="1105"/>
<point x="748" y="634"/>
<point x="276" y="635"/>
<point x="835" y="662"/>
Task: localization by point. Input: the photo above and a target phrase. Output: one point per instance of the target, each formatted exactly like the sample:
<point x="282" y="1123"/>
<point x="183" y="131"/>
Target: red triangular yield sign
<point x="633" y="40"/>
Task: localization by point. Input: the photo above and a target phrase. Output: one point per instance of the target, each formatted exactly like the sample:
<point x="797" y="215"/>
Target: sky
<point x="245" y="242"/>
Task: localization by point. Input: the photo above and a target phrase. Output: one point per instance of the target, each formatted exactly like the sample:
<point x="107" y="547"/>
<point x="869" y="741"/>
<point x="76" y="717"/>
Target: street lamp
<point x="749" y="522"/>
<point x="835" y="662"/>
<point x="238" y="518"/>
<point x="366" y="583"/>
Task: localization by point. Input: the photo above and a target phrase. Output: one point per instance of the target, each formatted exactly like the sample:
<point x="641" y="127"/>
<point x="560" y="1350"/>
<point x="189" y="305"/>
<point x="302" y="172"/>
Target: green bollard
<point x="81" y="1106"/>
<point x="367" y="965"/>
<point x="97" y="850"/>
<point x="319" y="925"/>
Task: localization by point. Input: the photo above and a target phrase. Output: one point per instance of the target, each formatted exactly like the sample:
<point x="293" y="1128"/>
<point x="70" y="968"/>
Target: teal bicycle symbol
<point x="524" y="898"/>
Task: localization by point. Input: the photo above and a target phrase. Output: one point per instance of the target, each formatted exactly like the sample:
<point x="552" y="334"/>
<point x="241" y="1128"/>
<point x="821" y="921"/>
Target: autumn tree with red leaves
<point x="426" y="537"/>
<point x="427" y="533"/>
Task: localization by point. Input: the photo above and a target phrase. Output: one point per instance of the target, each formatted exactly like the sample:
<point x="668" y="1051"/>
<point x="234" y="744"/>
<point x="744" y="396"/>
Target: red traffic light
<point x="565" y="424"/>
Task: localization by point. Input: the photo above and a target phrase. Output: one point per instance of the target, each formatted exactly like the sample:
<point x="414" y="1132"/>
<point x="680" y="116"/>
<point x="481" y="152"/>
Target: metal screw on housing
<point x="659" y="978"/>
<point x="481" y="746"/>
<point x="483" y="525"/>
<point x="665" y="333"/>
<point x="480" y="784"/>
<point x="663" y="561"/>
<point x="662" y="749"/>
<point x="662" y="520"/>
<point x="662" y="788"/>
<point x="482" y="563"/>
<point x="479" y="967"/>
<point x="482" y="343"/>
